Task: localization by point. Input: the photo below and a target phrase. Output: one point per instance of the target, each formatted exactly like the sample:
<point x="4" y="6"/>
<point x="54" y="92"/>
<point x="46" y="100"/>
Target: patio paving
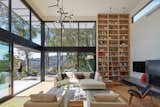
<point x="19" y="85"/>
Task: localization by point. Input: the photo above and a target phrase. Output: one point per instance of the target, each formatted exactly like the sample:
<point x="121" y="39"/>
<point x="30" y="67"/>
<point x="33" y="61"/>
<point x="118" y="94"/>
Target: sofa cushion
<point x="43" y="97"/>
<point x="92" y="84"/>
<point x="103" y="97"/>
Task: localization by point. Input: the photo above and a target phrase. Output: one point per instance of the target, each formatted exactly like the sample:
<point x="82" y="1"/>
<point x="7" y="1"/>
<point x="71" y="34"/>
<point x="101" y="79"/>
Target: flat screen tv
<point x="139" y="66"/>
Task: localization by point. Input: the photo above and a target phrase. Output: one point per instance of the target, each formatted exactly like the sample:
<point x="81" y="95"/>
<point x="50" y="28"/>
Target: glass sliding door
<point x="51" y="65"/>
<point x="5" y="74"/>
<point x="86" y="62"/>
<point x="68" y="62"/>
<point x="26" y="71"/>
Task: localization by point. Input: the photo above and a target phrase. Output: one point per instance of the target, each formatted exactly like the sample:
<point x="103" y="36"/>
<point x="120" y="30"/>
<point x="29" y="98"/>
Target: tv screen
<point x="139" y="66"/>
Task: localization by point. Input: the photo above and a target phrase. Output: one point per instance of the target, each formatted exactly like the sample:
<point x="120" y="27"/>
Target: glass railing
<point x="3" y="16"/>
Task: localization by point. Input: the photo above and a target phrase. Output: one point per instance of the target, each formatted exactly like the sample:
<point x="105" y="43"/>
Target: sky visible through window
<point x="4" y="49"/>
<point x="145" y="10"/>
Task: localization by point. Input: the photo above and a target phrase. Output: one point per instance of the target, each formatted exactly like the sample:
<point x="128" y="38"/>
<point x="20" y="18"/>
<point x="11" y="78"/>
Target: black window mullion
<point x="10" y="15"/>
<point x="57" y="61"/>
<point x="10" y="45"/>
<point x="78" y="61"/>
<point x="78" y="34"/>
<point x="95" y="34"/>
<point x="42" y="52"/>
<point x="61" y="33"/>
<point x="30" y="25"/>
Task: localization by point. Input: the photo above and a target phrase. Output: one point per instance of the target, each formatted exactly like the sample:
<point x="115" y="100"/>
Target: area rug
<point x="17" y="101"/>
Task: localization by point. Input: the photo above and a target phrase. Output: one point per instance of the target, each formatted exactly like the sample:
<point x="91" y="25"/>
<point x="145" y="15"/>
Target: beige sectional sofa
<point x="92" y="84"/>
<point x="96" y="83"/>
<point x="60" y="101"/>
<point x="92" y="102"/>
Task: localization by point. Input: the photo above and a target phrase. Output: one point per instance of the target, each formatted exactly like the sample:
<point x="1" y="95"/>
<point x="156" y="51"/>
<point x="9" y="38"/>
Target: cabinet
<point x="113" y="46"/>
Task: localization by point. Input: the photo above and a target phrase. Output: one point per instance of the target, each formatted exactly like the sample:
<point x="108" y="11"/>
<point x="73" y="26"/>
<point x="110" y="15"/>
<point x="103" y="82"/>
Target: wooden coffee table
<point x="75" y="103"/>
<point x="76" y="96"/>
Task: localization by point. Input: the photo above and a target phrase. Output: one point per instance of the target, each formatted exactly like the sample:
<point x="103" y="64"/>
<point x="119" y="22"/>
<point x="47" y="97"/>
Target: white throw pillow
<point x="98" y="77"/>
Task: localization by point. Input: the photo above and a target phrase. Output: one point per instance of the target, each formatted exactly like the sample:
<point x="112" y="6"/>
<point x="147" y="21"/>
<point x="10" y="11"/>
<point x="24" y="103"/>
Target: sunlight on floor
<point x="21" y="98"/>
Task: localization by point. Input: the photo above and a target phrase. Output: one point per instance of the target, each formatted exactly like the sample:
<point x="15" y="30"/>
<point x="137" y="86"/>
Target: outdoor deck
<point x="19" y="85"/>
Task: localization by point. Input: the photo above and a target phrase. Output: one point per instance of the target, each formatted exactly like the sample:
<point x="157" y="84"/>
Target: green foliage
<point x="33" y="71"/>
<point x="71" y="60"/>
<point x="2" y="78"/>
<point x="4" y="65"/>
<point x="70" y="37"/>
<point x="54" y="37"/>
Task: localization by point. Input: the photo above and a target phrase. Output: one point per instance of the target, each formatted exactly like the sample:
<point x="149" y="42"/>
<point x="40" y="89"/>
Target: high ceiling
<point x="82" y="9"/>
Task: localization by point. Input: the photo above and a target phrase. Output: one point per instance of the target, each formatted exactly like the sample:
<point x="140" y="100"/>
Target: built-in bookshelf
<point x="113" y="46"/>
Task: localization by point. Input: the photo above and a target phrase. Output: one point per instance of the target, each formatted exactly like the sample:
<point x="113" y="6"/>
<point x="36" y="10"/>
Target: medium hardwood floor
<point x="43" y="86"/>
<point x="121" y="89"/>
<point x="146" y="102"/>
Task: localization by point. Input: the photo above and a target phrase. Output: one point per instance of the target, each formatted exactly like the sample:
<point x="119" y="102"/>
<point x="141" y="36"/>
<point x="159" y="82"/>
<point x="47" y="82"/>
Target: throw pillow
<point x="96" y="75"/>
<point x="43" y="98"/>
<point x="143" y="78"/>
<point x="59" y="76"/>
<point x="103" y="97"/>
<point x="79" y="75"/>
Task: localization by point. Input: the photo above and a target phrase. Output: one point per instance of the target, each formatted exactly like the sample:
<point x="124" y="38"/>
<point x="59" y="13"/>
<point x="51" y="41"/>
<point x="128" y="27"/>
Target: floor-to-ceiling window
<point x="5" y="70"/>
<point x="26" y="68"/>
<point x="69" y="62"/>
<point x="21" y="25"/>
<point x="51" y="65"/>
<point x="72" y="38"/>
<point x="67" y="35"/>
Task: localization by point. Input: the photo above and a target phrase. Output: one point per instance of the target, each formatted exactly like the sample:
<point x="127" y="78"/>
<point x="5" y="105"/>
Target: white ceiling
<point x="82" y="9"/>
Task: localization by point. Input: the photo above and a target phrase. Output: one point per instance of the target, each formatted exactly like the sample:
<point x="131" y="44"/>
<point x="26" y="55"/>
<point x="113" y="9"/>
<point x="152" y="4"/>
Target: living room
<point x="58" y="53"/>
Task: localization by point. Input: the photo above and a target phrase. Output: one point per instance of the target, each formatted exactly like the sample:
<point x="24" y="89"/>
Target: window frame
<point x="78" y="45"/>
<point x="141" y="10"/>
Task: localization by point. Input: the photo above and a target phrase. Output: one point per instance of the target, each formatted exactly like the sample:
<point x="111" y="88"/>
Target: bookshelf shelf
<point x="113" y="46"/>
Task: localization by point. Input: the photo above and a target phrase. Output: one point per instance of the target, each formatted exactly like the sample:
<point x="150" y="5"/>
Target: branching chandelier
<point x="62" y="14"/>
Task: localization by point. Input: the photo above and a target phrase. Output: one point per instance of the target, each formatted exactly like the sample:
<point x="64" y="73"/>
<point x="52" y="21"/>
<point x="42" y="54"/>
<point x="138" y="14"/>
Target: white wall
<point x="145" y="39"/>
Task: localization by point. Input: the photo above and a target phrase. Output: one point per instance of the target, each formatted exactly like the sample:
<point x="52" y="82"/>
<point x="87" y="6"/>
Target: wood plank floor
<point x="121" y="89"/>
<point x="43" y="86"/>
<point x="146" y="102"/>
